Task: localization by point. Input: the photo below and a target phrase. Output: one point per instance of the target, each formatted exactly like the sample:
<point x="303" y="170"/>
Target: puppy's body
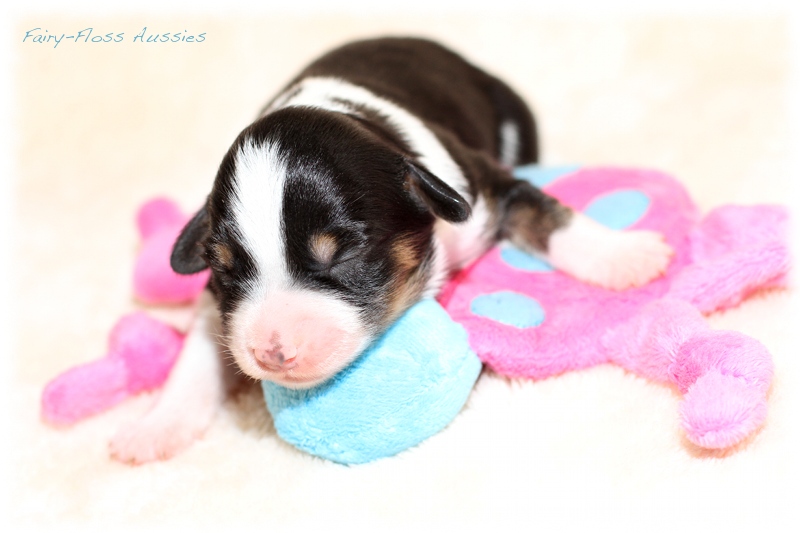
<point x="381" y="169"/>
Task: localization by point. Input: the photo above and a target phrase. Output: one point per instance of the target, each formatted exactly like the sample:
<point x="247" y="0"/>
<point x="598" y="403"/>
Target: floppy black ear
<point x="187" y="253"/>
<point x="439" y="197"/>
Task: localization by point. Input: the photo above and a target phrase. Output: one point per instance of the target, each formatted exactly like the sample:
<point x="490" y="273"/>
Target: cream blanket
<point x="102" y="126"/>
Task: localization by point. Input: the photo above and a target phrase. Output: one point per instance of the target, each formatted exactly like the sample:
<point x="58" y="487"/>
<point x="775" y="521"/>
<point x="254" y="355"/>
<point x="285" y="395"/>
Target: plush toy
<point x="160" y="221"/>
<point x="526" y="320"/>
<point x="142" y="350"/>
<point x="141" y="353"/>
<point x="405" y="388"/>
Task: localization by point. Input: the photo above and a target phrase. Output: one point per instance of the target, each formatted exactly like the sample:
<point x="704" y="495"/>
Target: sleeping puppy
<point x="379" y="171"/>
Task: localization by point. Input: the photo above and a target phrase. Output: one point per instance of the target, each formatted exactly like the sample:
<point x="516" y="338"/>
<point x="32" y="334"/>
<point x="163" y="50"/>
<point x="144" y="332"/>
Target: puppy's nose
<point x="274" y="355"/>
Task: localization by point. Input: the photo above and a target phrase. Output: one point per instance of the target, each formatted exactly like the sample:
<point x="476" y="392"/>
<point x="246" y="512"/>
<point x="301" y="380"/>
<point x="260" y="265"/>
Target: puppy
<point x="382" y="168"/>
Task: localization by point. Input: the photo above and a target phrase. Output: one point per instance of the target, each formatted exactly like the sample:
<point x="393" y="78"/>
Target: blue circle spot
<point x="618" y="209"/>
<point x="516" y="258"/>
<point x="541" y="176"/>
<point x="509" y="308"/>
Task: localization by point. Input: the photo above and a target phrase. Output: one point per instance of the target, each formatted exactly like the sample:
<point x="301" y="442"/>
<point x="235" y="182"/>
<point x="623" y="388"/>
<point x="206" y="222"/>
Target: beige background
<point x="102" y="127"/>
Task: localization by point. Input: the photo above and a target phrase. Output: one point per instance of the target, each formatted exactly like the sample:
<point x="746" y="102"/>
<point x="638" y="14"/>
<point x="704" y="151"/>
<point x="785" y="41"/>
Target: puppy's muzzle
<point x="296" y="338"/>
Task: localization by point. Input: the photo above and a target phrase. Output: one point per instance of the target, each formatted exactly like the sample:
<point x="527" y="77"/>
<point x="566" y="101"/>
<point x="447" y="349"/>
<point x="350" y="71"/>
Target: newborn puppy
<point x="380" y="170"/>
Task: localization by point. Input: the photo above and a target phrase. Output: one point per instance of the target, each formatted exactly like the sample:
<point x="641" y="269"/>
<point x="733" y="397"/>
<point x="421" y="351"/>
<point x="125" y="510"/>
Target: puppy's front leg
<point x="187" y="404"/>
<point x="575" y="243"/>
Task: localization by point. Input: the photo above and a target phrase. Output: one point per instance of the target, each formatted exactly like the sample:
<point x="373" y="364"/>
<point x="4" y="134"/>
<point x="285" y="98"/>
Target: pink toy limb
<point x="724" y="282"/>
<point x="141" y="354"/>
<point x="723" y="374"/>
<point x="721" y="410"/>
<point x="734" y="227"/>
<point x="727" y="399"/>
<point x="154" y="282"/>
<point x="84" y="390"/>
<point x="157" y="214"/>
<point x="736" y="250"/>
<point x="647" y="343"/>
<point x="148" y="347"/>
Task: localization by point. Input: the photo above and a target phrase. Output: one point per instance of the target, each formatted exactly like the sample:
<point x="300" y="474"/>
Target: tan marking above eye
<point x="223" y="254"/>
<point x="323" y="247"/>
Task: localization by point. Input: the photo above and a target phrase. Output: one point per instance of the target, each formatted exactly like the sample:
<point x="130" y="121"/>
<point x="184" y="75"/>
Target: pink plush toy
<point x="526" y="320"/>
<point x="160" y="221"/>
<point x="142" y="350"/>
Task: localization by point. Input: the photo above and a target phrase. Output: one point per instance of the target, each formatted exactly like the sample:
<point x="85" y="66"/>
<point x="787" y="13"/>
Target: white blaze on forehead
<point x="260" y="176"/>
<point x="339" y="96"/>
<point x="324" y="331"/>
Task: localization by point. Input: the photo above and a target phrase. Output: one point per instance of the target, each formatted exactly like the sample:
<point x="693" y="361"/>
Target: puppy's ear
<point x="188" y="252"/>
<point x="439" y="197"/>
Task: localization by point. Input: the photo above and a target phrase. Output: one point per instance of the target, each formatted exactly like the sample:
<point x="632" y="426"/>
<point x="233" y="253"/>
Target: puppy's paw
<point x="611" y="259"/>
<point x="632" y="259"/>
<point x="155" y="437"/>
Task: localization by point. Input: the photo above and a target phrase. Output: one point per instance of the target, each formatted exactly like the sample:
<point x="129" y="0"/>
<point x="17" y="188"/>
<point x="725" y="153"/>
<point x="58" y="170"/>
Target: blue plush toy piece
<point x="403" y="389"/>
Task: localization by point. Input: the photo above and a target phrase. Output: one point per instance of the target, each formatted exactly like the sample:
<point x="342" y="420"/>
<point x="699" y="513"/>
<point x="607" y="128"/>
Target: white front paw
<point x="609" y="258"/>
<point x="154" y="438"/>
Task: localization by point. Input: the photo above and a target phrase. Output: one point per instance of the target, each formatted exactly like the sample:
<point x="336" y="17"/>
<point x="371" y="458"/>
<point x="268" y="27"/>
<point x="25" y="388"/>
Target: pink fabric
<point x="160" y="221"/>
<point x="141" y="353"/>
<point x="141" y="349"/>
<point x="723" y="374"/>
<point x="655" y="331"/>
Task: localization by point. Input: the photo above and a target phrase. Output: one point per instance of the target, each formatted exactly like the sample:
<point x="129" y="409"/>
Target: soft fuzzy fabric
<point x="160" y="221"/>
<point x="141" y="349"/>
<point x="552" y="323"/>
<point x="141" y="353"/>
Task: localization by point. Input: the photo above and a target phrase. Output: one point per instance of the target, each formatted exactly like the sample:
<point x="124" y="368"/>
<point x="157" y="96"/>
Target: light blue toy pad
<point x="405" y="388"/>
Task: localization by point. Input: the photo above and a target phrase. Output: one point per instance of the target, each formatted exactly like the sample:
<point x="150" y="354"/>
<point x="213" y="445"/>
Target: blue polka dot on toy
<point x="618" y="209"/>
<point x="509" y="308"/>
<point x="541" y="176"/>
<point x="516" y="258"/>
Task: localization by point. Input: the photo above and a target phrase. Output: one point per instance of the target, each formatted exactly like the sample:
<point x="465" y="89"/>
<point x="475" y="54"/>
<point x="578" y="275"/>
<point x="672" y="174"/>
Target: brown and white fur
<point x="378" y="172"/>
